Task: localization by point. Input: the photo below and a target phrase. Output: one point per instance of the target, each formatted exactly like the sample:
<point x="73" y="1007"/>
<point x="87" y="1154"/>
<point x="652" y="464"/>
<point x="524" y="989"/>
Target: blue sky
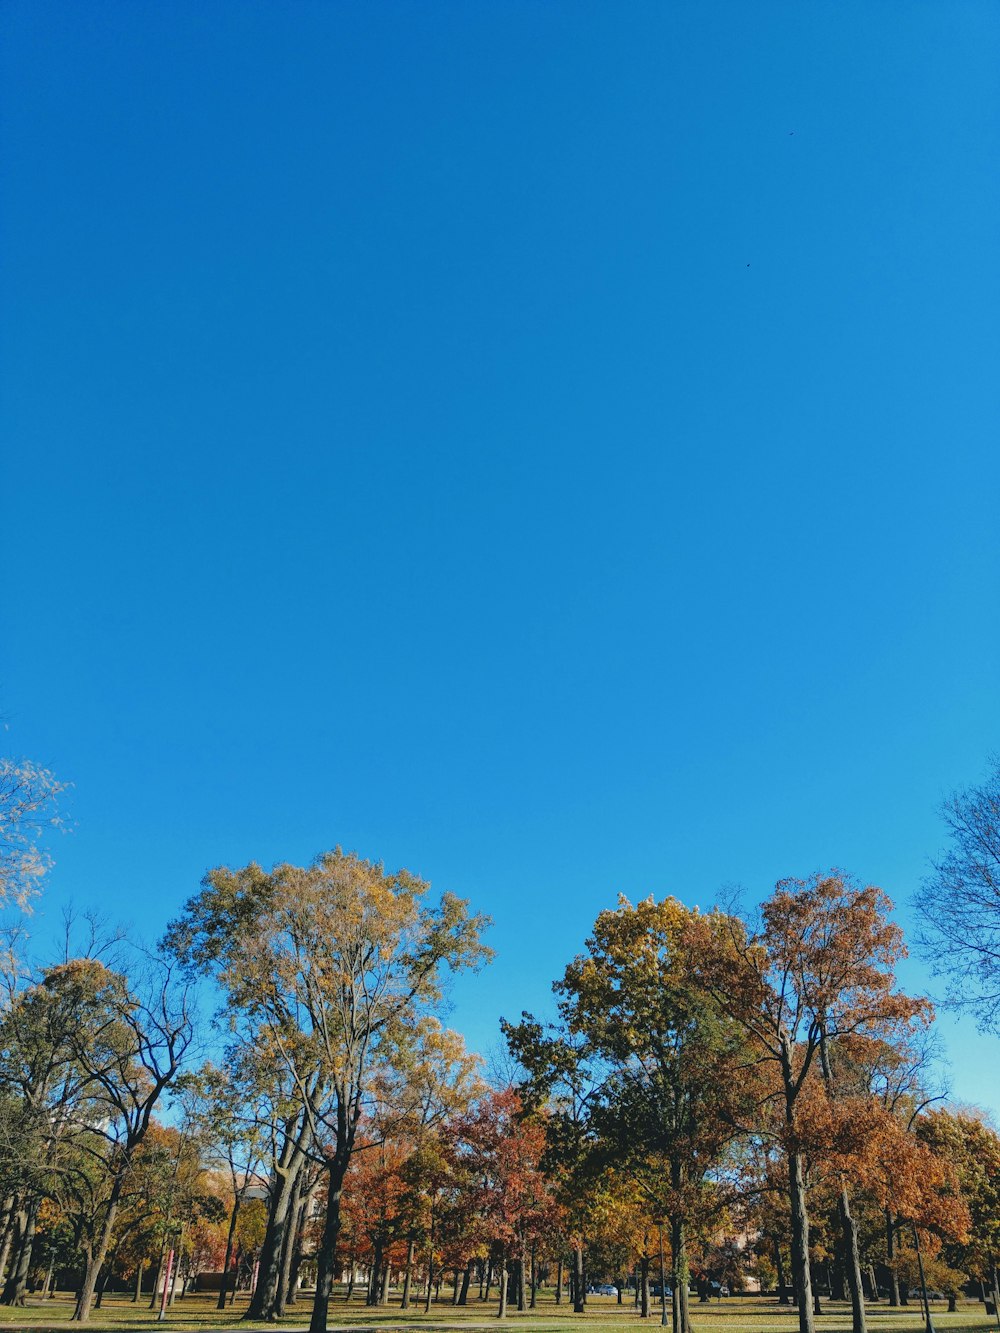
<point x="550" y="446"/>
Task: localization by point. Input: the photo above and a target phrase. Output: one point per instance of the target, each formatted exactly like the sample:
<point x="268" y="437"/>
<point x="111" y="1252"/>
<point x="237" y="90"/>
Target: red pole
<point x="166" y="1285"/>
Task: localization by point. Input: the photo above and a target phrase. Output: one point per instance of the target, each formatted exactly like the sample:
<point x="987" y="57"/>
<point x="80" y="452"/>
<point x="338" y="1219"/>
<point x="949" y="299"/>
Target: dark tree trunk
<point x="375" y="1273"/>
<point x="17" y="1279"/>
<point x="298" y="1248"/>
<point x="578" y="1282"/>
<point x="9" y="1229"/>
<point x="644" y="1287"/>
<point x="96" y="1259"/>
<point x="326" y="1257"/>
<point x="852" y="1262"/>
<point x="890" y="1256"/>
<point x="230" y="1247"/>
<point x="681" y="1314"/>
<point x="158" y="1277"/>
<point x="264" y="1300"/>
<point x="408" y="1274"/>
<point x="502" y="1276"/>
<point x="288" y="1244"/>
<point x="559" y="1281"/>
<point x="779" y="1264"/>
<point x="463" y="1295"/>
<point x="801" y="1277"/>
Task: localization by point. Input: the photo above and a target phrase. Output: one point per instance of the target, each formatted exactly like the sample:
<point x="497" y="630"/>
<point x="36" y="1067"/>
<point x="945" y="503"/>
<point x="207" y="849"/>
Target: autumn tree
<point x="674" y="1089"/>
<point x="130" y="1057"/>
<point x="971" y="1147"/>
<point x="818" y="969"/>
<point x="228" y="1115"/>
<point x="329" y="970"/>
<point x="499" y="1153"/>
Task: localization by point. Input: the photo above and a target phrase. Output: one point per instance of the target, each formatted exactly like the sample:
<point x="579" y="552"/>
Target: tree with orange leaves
<point x="498" y="1152"/>
<point x="819" y="968"/>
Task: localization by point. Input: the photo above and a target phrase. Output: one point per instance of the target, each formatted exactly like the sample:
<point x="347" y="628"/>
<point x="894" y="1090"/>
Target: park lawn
<point x="752" y="1313"/>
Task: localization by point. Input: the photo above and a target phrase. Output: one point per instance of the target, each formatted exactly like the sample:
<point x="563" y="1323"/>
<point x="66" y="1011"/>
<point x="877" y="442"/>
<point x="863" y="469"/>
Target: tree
<point x="130" y="1057"/>
<point x="28" y="806"/>
<point x="959" y="904"/>
<point x="972" y="1149"/>
<point x="226" y="1118"/>
<point x="330" y="969"/>
<point x="818" y="969"/>
<point x="674" y="1087"/>
<point x="499" y="1153"/>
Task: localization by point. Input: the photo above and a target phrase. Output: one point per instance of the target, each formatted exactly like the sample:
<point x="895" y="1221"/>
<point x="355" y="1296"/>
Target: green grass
<point x="756" y="1314"/>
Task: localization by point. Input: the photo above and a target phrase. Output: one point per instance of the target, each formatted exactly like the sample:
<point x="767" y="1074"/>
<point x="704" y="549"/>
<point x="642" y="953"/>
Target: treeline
<point x="721" y="1101"/>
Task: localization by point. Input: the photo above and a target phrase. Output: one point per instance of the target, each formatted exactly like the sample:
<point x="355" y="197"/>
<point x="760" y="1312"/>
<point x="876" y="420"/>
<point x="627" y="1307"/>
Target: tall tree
<point x="130" y="1056"/>
<point x="329" y="968"/>
<point x="819" y="968"/>
<point x="675" y="1087"/>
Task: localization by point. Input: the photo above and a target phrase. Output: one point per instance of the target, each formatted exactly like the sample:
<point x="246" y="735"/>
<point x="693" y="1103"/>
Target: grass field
<point x="756" y="1314"/>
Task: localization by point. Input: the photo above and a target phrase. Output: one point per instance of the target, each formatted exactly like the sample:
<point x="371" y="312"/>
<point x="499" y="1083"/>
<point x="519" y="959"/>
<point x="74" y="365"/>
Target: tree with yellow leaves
<point x="328" y="970"/>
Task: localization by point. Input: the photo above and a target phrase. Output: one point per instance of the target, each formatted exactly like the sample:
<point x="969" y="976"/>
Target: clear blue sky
<point x="551" y="446"/>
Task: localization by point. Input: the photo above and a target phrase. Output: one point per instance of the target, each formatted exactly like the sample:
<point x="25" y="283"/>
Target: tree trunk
<point x="779" y="1265"/>
<point x="872" y="1284"/>
<point x="136" y="1295"/>
<point x="644" y="1286"/>
<point x="890" y="1256"/>
<point x="326" y="1257"/>
<point x="430" y="1266"/>
<point x="852" y="1262"/>
<point x="159" y="1274"/>
<point x="838" y="1272"/>
<point x="16" y="1284"/>
<point x="502" y="1276"/>
<point x="102" y="1282"/>
<point x="578" y="1297"/>
<point x="288" y="1241"/>
<point x="230" y="1244"/>
<point x="408" y="1274"/>
<point x="375" y="1272"/>
<point x="264" y="1299"/>
<point x="801" y="1277"/>
<point x="9" y="1227"/>
<point x="559" y="1281"/>
<point x="463" y="1296"/>
<point x="995" y="1284"/>
<point x="534" y="1279"/>
<point x="681" y="1314"/>
<point x="519" y="1277"/>
<point x="96" y="1259"/>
